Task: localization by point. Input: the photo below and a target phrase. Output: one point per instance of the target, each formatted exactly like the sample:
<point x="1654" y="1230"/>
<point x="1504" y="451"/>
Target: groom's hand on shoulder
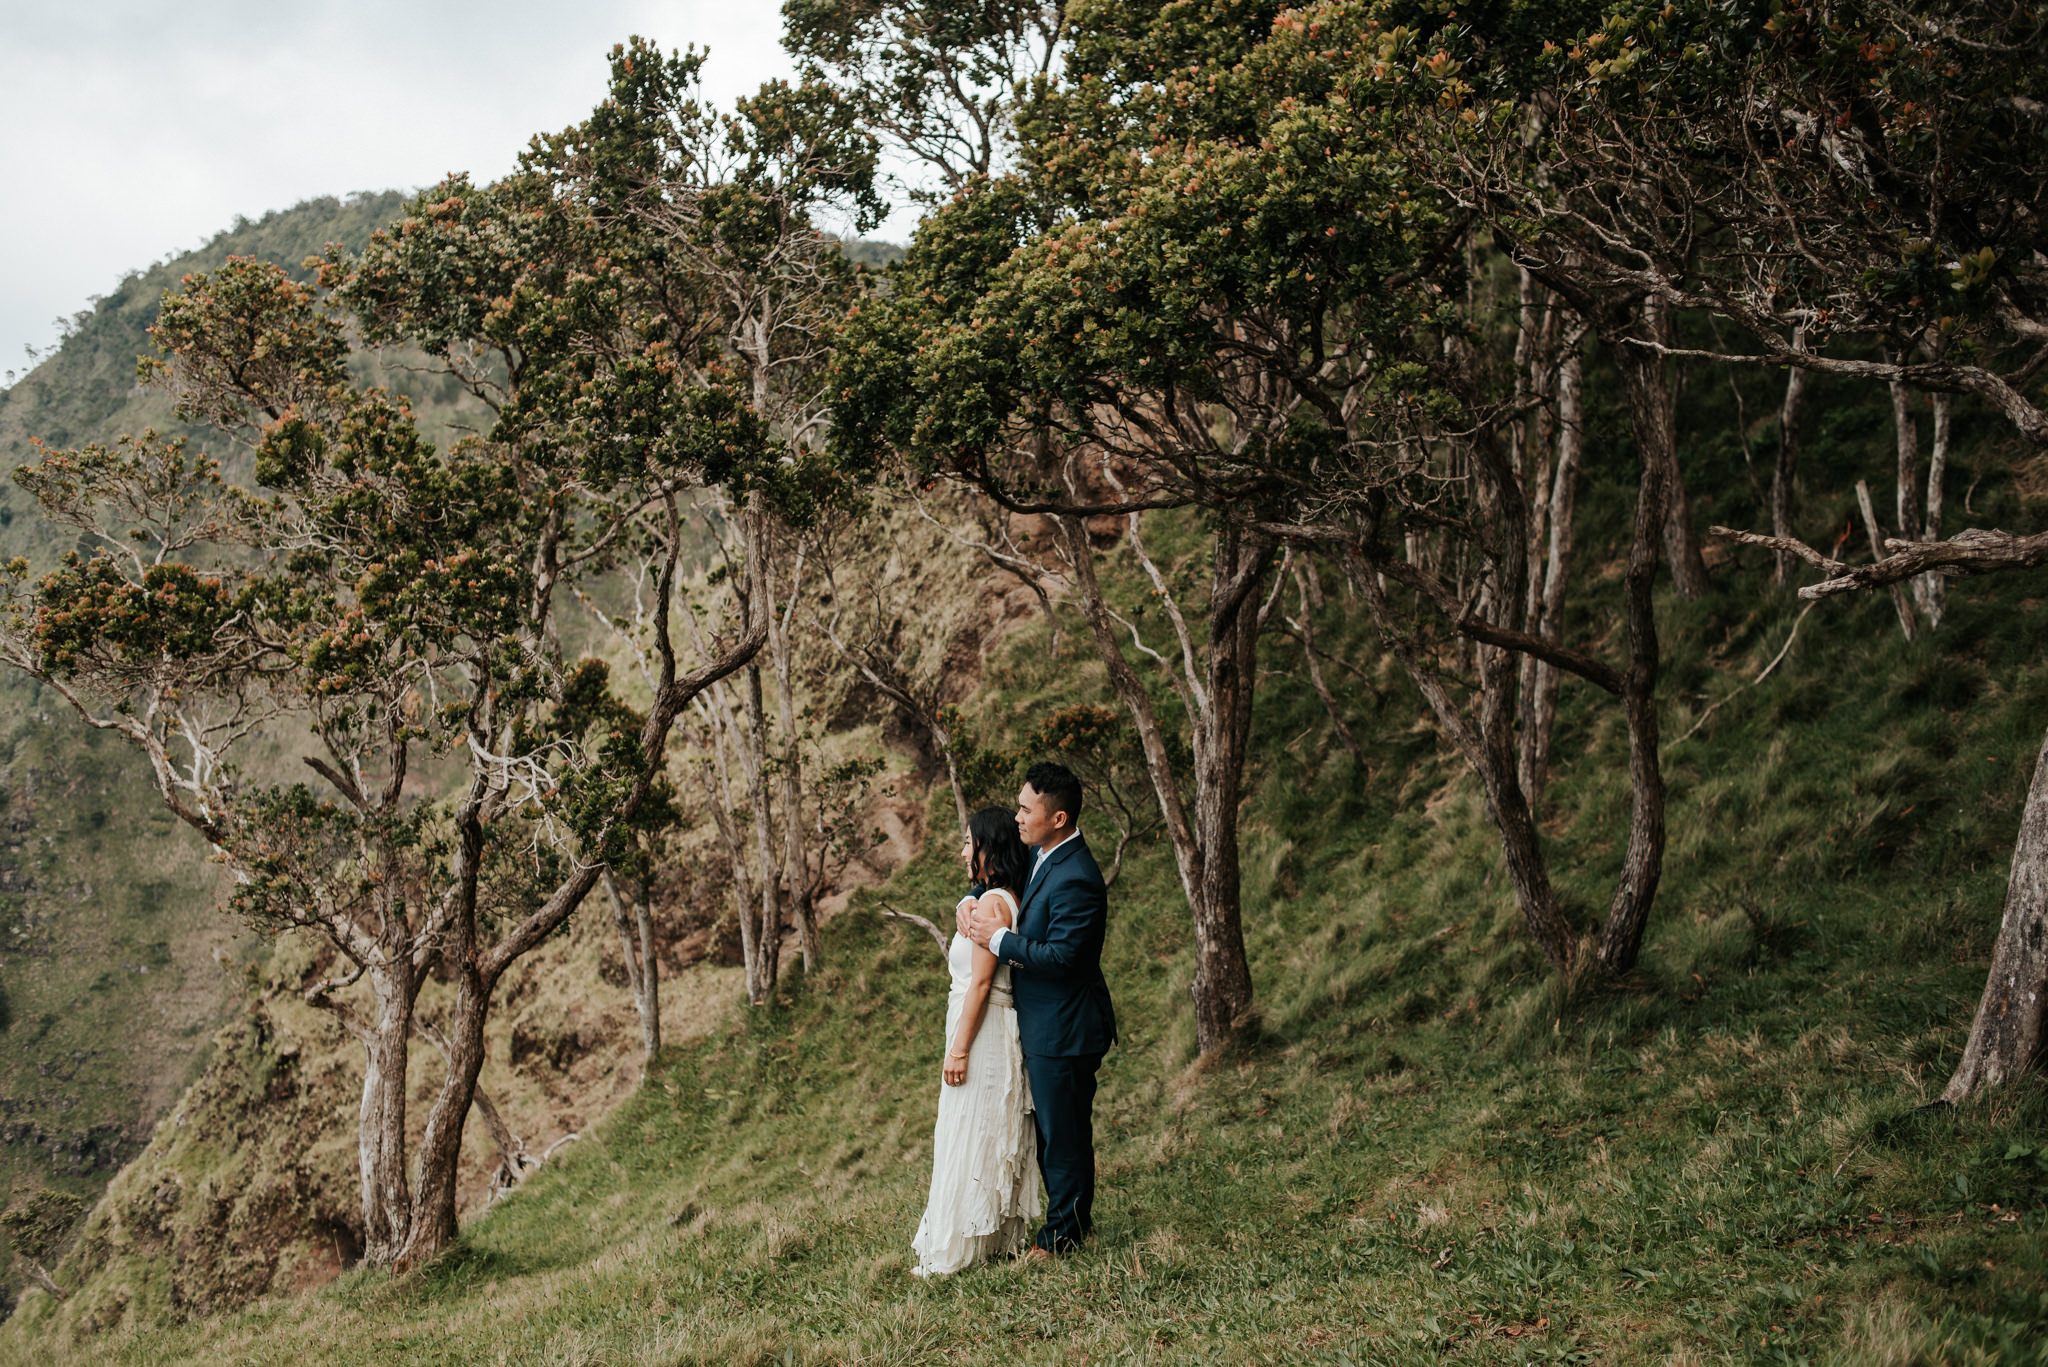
<point x="984" y="919"/>
<point x="962" y="911"/>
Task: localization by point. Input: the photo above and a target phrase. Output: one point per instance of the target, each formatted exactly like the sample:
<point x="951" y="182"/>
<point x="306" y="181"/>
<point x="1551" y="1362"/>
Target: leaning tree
<point x="389" y="608"/>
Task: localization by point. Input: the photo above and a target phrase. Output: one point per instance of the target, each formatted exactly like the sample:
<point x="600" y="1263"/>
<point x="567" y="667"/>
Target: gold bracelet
<point x="956" y="1056"/>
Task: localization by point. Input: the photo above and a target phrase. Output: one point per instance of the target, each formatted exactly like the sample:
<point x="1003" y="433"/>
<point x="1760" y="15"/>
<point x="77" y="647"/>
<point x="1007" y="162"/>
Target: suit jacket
<point x="1055" y="955"/>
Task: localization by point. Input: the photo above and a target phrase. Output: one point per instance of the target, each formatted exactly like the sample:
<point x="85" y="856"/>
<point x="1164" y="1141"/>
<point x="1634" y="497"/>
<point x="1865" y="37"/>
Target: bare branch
<point x="912" y="918"/>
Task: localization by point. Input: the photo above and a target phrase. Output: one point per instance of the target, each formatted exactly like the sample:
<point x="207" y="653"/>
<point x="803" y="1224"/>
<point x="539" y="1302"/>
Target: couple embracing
<point x="1027" y="1023"/>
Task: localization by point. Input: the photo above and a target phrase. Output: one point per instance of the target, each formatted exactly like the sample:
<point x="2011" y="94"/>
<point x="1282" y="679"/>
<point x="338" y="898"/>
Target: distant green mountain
<point x="87" y="391"/>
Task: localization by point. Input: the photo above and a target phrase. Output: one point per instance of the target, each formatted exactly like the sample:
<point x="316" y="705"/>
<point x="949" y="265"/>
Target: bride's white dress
<point x="984" y="1194"/>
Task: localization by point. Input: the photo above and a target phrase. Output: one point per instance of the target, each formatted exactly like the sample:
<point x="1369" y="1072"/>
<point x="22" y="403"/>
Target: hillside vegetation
<point x="116" y="966"/>
<point x="1429" y="1150"/>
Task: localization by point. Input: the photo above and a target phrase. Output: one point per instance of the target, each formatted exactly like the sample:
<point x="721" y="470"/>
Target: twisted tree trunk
<point x="1218" y="700"/>
<point x="1642" y="866"/>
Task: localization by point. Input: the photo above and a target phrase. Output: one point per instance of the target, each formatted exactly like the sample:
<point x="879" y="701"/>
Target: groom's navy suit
<point x="1065" y="1023"/>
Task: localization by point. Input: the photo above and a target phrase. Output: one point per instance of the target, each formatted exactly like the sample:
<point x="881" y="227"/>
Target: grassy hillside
<point x="1432" y="1151"/>
<point x="87" y="390"/>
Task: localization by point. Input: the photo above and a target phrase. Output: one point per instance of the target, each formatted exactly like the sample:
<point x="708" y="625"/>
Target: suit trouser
<point x="1063" y="1095"/>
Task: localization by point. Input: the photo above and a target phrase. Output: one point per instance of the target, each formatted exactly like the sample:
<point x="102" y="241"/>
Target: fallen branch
<point x="1976" y="551"/>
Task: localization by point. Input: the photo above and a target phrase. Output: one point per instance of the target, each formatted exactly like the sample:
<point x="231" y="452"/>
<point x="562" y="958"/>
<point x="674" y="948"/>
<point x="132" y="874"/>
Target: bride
<point x="984" y="1192"/>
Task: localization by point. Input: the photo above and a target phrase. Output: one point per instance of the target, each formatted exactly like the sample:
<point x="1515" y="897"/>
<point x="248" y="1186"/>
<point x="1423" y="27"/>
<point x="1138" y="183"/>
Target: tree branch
<point x="1976" y="551"/>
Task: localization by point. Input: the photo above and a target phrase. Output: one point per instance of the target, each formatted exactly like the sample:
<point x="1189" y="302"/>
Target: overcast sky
<point x="130" y="131"/>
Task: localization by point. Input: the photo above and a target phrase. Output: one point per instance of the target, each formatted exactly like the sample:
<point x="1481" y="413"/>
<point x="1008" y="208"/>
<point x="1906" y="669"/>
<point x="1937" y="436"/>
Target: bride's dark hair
<point x="1000" y="859"/>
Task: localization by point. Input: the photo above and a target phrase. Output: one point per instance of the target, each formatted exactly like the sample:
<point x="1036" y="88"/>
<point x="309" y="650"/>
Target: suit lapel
<point x="1041" y="874"/>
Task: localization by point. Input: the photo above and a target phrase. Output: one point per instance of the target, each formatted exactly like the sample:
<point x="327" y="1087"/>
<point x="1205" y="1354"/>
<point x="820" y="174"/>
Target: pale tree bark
<point x="380" y="1118"/>
<point x="782" y="818"/>
<point x="1906" y="434"/>
<point x="2012" y="1016"/>
<point x="796" y="859"/>
<point x="1876" y="535"/>
<point x="1540" y="678"/>
<point x="769" y="882"/>
<point x="1790" y="415"/>
<point x="1930" y="591"/>
<point x="1974" y="550"/>
<point x="733" y="766"/>
<point x="635" y="927"/>
<point x="757" y="966"/>
<point x="45" y="1280"/>
<point x="1681" y="537"/>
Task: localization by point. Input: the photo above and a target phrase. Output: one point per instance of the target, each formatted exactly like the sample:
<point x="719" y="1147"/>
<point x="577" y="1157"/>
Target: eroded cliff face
<point x="248" y="1186"/>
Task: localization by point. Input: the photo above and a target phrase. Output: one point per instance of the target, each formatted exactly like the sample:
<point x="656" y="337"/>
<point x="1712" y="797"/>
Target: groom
<point x="1064" y="1016"/>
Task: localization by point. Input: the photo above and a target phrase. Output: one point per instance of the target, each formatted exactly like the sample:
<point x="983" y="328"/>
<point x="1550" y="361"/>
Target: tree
<point x="937" y="81"/>
<point x="786" y="843"/>
<point x="1128" y="330"/>
<point x="2010" y="1030"/>
<point x="1855" y="171"/>
<point x="727" y="201"/>
<point x="398" y="602"/>
<point x="1870" y="168"/>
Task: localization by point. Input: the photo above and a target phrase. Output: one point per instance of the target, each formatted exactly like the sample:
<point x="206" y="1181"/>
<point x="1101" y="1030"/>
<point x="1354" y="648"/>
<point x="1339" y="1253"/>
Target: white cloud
<point x="138" y="130"/>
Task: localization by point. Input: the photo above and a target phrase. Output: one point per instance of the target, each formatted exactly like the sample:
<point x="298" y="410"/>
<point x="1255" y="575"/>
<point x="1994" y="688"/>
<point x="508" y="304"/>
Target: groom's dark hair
<point x="1057" y="782"/>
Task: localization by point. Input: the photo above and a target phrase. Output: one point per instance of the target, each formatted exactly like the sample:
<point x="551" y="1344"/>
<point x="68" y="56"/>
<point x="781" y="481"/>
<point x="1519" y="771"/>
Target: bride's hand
<point x="956" y="1070"/>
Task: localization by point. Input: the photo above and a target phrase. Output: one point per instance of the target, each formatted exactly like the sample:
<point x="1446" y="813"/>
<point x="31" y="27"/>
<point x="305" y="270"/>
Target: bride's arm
<point x="976" y="1005"/>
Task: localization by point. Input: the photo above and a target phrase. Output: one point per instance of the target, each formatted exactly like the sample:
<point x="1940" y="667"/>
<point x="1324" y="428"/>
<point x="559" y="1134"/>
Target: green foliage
<point x="990" y="773"/>
<point x="1849" y="171"/>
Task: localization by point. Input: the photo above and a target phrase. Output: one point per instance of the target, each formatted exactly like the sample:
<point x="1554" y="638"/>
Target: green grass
<point x="1431" y="1150"/>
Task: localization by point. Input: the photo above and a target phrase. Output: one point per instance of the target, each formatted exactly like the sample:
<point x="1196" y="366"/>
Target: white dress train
<point x="984" y="1193"/>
